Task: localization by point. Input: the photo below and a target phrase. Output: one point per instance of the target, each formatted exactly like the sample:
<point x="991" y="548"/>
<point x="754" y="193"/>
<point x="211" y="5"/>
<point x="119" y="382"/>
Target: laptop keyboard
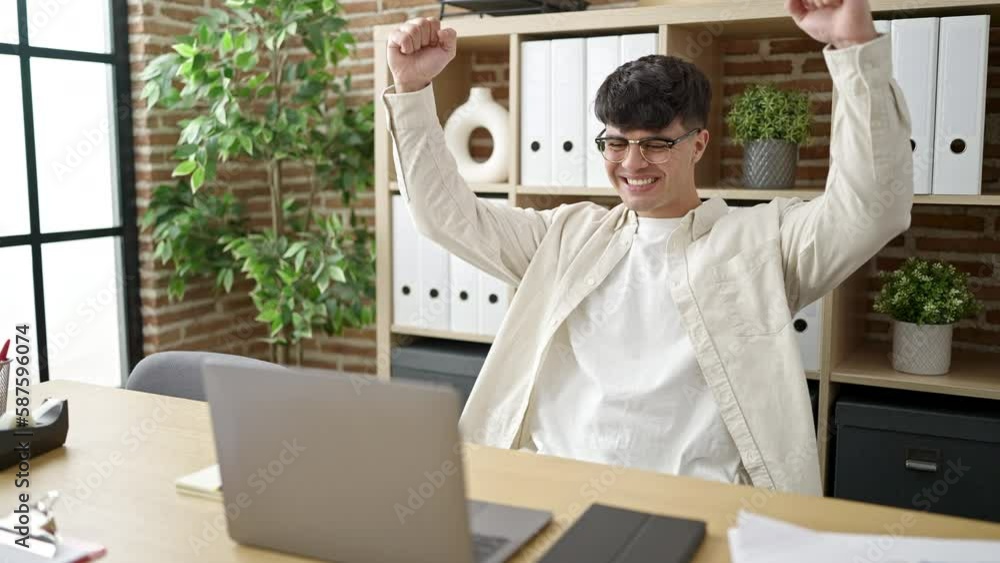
<point x="486" y="546"/>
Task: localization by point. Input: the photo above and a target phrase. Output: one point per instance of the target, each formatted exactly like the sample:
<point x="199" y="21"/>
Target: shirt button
<point x="590" y="281"/>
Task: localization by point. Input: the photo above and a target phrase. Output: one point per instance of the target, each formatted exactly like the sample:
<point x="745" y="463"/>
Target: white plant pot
<point x="479" y="111"/>
<point x="921" y="349"/>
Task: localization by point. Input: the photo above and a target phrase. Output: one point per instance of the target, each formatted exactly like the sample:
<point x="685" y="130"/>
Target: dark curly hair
<point x="650" y="92"/>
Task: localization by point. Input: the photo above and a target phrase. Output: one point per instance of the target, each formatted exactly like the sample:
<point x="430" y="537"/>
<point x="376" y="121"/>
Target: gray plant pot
<point x="770" y="164"/>
<point x="921" y="349"/>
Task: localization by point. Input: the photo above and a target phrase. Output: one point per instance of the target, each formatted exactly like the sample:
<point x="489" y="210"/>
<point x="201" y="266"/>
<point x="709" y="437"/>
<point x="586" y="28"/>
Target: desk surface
<point x="125" y="449"/>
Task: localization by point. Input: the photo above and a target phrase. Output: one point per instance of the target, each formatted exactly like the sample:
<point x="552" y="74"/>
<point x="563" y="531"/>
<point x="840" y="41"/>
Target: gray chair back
<point x="178" y="374"/>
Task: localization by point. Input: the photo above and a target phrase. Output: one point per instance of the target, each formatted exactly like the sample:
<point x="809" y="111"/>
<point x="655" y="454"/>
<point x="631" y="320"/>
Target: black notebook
<point x="605" y="534"/>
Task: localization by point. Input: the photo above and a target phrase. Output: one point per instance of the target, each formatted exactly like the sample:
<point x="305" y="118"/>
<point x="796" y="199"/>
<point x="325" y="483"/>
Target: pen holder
<point x="4" y="384"/>
<point x="48" y="434"/>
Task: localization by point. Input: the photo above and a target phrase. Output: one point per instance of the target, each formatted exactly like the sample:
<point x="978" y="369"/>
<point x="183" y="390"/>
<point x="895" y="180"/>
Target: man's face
<point x="654" y="189"/>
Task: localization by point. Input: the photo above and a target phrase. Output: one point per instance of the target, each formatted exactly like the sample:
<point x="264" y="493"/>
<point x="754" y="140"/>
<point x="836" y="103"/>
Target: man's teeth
<point x="637" y="182"/>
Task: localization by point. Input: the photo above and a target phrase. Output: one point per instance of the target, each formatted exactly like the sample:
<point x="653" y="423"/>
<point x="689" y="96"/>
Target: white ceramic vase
<point x="479" y="111"/>
<point x="921" y="349"/>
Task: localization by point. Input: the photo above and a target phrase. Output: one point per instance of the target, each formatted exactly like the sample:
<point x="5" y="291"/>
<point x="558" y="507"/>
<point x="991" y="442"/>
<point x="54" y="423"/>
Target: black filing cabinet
<point x="440" y="361"/>
<point x="920" y="451"/>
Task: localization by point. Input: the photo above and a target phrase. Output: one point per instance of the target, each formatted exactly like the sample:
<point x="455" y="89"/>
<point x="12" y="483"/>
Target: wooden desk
<point x="125" y="449"/>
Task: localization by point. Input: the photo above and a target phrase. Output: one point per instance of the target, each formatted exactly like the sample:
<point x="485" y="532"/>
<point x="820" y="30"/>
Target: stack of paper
<point x="758" y="539"/>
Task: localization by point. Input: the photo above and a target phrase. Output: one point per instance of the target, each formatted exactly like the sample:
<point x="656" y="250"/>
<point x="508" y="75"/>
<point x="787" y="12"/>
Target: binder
<point x="602" y="60"/>
<point x="435" y="283"/>
<point x="961" y="105"/>
<point x="536" y="150"/>
<point x="883" y="26"/>
<point x="567" y="109"/>
<point x="464" y="296"/>
<point x="914" y="63"/>
<point x="405" y="266"/>
<point x="494" y="297"/>
<point x="808" y="325"/>
<point x="637" y="45"/>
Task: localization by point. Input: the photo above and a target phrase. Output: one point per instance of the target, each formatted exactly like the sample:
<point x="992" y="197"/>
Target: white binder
<point x="883" y="26"/>
<point x="567" y="109"/>
<point x="808" y="325"/>
<point x="405" y="266"/>
<point x="536" y="149"/>
<point x="464" y="296"/>
<point x="602" y="60"/>
<point x="435" y="297"/>
<point x="494" y="297"/>
<point x="961" y="105"/>
<point x="914" y="63"/>
<point x="637" y="45"/>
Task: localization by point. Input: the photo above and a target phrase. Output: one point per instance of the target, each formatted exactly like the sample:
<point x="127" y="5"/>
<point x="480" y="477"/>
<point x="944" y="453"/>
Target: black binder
<point x="605" y="534"/>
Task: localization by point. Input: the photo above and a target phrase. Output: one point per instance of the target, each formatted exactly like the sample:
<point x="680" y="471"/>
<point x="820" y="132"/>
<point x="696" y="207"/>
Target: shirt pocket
<point x="750" y="287"/>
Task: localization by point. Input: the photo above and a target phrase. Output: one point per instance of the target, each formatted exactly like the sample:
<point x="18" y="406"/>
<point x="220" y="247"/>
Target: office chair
<point x="178" y="374"/>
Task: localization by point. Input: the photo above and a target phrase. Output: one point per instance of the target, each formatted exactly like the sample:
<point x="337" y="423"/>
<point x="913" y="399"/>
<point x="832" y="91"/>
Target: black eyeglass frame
<point x="671" y="143"/>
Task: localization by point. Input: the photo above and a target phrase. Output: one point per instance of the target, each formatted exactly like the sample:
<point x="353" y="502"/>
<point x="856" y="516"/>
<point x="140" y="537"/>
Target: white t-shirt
<point x="620" y="384"/>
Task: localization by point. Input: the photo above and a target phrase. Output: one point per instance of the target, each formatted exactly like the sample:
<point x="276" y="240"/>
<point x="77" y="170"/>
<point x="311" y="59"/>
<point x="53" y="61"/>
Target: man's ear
<point x="701" y="141"/>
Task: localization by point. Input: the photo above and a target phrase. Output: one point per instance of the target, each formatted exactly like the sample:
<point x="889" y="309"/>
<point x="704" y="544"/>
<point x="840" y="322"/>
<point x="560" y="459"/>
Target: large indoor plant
<point x="770" y="124"/>
<point x="925" y="298"/>
<point x="262" y="78"/>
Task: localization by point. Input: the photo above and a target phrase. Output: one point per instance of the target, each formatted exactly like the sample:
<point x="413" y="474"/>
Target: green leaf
<point x="220" y="113"/>
<point x="337" y="274"/>
<point x="227" y="280"/>
<point x="151" y="93"/>
<point x="226" y="44"/>
<point x="185" y="168"/>
<point x="185" y="50"/>
<point x="247" y="144"/>
<point x="294" y="249"/>
<point x="198" y="178"/>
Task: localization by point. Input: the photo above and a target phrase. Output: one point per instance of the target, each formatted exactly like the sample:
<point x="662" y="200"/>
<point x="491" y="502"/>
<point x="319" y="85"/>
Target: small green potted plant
<point x="770" y="124"/>
<point x="925" y="298"/>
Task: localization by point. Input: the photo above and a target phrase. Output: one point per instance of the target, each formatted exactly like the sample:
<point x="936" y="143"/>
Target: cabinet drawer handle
<point x="917" y="465"/>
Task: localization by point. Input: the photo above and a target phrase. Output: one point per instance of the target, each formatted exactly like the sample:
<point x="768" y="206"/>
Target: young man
<point x="657" y="334"/>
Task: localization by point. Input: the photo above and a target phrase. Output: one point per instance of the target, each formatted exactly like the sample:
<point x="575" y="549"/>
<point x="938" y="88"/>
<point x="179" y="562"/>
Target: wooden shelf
<point x="478" y="188"/>
<point x="973" y="374"/>
<point x="446" y="334"/>
<point x="566" y="191"/>
<point x="956" y="199"/>
<point x="758" y="195"/>
<point x="813" y="375"/>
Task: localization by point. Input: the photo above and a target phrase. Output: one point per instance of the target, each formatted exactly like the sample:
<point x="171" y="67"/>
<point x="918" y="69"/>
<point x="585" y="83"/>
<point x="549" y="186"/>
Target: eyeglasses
<point x="656" y="150"/>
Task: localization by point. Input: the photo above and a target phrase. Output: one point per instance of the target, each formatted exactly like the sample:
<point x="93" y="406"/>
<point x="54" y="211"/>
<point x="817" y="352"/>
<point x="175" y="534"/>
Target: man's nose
<point x="634" y="160"/>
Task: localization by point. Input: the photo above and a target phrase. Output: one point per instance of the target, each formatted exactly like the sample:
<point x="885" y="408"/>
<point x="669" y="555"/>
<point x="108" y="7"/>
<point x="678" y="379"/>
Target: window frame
<point x="127" y="231"/>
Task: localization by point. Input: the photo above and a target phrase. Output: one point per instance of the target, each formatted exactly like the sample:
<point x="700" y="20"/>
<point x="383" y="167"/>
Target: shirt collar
<point x="705" y="216"/>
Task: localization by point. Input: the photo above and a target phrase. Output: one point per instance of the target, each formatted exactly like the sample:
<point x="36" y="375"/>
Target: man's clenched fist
<point x="418" y="51"/>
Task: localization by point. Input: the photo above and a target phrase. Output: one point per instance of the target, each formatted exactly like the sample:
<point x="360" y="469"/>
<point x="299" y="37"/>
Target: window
<point x="68" y="238"/>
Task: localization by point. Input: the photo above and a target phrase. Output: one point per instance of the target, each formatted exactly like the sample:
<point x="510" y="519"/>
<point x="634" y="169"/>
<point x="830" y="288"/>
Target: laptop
<point x="349" y="469"/>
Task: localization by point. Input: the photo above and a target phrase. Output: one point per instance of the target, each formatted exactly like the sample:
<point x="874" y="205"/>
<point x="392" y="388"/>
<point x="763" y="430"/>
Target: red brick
<point x="480" y="76"/>
<point x="811" y="173"/>
<point x="757" y="68"/>
<point x="814" y="65"/>
<point x="368" y="21"/>
<point x="782" y="46"/>
<point x="898" y="241"/>
<point x="741" y="47"/>
<point x="977" y="336"/>
<point x="974" y="269"/>
<point x="393" y="4"/>
<point x="970" y="245"/>
<point x="953" y="222"/>
<point x="354" y="367"/>
<point x="359" y="7"/>
<point x="184" y="15"/>
<point x="993" y="317"/>
<point x="814" y="152"/>
<point x="877" y="327"/>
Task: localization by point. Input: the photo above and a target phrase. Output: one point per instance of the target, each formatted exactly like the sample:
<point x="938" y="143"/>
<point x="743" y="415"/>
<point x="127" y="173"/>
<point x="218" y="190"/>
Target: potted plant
<point x="262" y="78"/>
<point x="925" y="298"/>
<point x="770" y="124"/>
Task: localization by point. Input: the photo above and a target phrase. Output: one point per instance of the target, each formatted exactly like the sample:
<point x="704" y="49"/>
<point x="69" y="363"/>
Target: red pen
<point x="3" y="353"/>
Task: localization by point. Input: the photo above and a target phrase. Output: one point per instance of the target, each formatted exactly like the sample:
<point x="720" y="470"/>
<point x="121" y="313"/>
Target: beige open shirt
<point x="737" y="278"/>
